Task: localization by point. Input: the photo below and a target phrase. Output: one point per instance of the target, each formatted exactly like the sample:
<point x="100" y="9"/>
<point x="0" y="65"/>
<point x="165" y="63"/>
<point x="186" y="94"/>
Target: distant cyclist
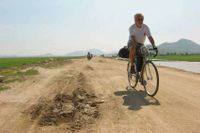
<point x="89" y="56"/>
<point x="138" y="33"/>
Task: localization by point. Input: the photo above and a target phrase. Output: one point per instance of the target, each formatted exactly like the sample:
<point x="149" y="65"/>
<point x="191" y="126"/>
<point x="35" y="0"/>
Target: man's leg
<point x="132" y="59"/>
<point x="132" y="55"/>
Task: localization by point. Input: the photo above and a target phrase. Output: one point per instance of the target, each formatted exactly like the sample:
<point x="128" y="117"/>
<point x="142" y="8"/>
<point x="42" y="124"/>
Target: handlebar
<point x="156" y="51"/>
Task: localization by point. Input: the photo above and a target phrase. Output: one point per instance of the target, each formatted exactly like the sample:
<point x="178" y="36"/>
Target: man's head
<point x="139" y="19"/>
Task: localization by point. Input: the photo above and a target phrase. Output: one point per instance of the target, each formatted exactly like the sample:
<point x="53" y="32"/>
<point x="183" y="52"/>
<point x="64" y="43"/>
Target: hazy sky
<point x="31" y="27"/>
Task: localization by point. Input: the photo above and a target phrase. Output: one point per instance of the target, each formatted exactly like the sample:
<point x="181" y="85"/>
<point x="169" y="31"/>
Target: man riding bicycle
<point x="138" y="33"/>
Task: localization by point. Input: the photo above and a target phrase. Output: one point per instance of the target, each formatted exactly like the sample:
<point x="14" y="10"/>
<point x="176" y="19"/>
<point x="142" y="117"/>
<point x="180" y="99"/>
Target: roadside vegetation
<point x="3" y="88"/>
<point x="179" y="57"/>
<point x="23" y="61"/>
<point x="10" y="75"/>
<point x="14" y="62"/>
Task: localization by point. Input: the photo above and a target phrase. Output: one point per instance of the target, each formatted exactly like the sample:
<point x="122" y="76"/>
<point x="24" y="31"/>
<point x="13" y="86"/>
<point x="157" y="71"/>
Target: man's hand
<point x="155" y="48"/>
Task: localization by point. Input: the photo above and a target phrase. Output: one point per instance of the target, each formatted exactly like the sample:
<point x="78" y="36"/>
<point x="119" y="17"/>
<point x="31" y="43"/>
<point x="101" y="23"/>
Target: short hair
<point x="138" y="15"/>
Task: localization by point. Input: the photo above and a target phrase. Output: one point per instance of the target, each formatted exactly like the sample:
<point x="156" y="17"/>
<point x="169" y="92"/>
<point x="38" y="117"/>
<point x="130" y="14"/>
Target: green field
<point x="180" y="57"/>
<point x="14" y="62"/>
<point x="11" y="62"/>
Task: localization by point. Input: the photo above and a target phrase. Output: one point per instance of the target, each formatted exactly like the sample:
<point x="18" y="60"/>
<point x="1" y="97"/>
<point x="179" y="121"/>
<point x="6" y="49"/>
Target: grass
<point x="13" y="75"/>
<point x="180" y="57"/>
<point x="31" y="72"/>
<point x="16" y="62"/>
<point x="26" y="73"/>
<point x="8" y="72"/>
<point x="3" y="88"/>
<point x="16" y="74"/>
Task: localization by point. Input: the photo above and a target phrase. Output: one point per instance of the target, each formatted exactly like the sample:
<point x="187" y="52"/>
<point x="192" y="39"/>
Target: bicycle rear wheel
<point x="150" y="78"/>
<point x="132" y="78"/>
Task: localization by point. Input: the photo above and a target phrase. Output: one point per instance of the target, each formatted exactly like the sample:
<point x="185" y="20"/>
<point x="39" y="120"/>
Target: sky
<point x="34" y="27"/>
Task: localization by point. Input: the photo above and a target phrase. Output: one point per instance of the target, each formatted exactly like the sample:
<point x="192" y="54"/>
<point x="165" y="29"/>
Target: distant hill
<point x="8" y="56"/>
<point x="84" y="52"/>
<point x="46" y="55"/>
<point x="180" y="46"/>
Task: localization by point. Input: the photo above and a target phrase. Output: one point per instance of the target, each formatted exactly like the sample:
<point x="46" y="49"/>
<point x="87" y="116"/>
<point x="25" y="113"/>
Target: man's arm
<point x="152" y="41"/>
<point x="148" y="33"/>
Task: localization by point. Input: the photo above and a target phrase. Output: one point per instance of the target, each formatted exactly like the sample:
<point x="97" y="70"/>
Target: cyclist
<point x="138" y="33"/>
<point x="88" y="56"/>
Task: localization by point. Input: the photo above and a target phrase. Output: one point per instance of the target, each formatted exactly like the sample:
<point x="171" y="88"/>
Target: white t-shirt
<point x="139" y="33"/>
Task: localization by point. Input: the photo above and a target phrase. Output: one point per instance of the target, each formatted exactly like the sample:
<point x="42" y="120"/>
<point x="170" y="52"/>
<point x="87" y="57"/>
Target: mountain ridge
<point x="179" y="47"/>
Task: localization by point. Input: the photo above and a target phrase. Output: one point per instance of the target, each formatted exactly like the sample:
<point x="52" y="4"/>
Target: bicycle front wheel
<point x="150" y="78"/>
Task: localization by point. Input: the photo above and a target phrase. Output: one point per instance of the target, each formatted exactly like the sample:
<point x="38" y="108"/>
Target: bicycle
<point x="148" y="76"/>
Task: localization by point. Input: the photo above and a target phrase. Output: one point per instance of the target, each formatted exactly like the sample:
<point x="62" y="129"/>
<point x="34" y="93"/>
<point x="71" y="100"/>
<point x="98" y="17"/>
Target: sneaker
<point x="133" y="69"/>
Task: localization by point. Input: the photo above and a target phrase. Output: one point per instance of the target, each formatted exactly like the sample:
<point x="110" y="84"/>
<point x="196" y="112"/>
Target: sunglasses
<point x="140" y="19"/>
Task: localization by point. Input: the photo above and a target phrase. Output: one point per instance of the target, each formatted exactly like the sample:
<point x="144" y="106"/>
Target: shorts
<point x="137" y="46"/>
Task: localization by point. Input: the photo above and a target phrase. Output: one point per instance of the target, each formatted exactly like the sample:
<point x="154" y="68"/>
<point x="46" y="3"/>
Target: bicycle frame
<point x="146" y="60"/>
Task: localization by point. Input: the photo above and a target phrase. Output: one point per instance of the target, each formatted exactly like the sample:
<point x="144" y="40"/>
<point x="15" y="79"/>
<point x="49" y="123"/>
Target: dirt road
<point x="175" y="108"/>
